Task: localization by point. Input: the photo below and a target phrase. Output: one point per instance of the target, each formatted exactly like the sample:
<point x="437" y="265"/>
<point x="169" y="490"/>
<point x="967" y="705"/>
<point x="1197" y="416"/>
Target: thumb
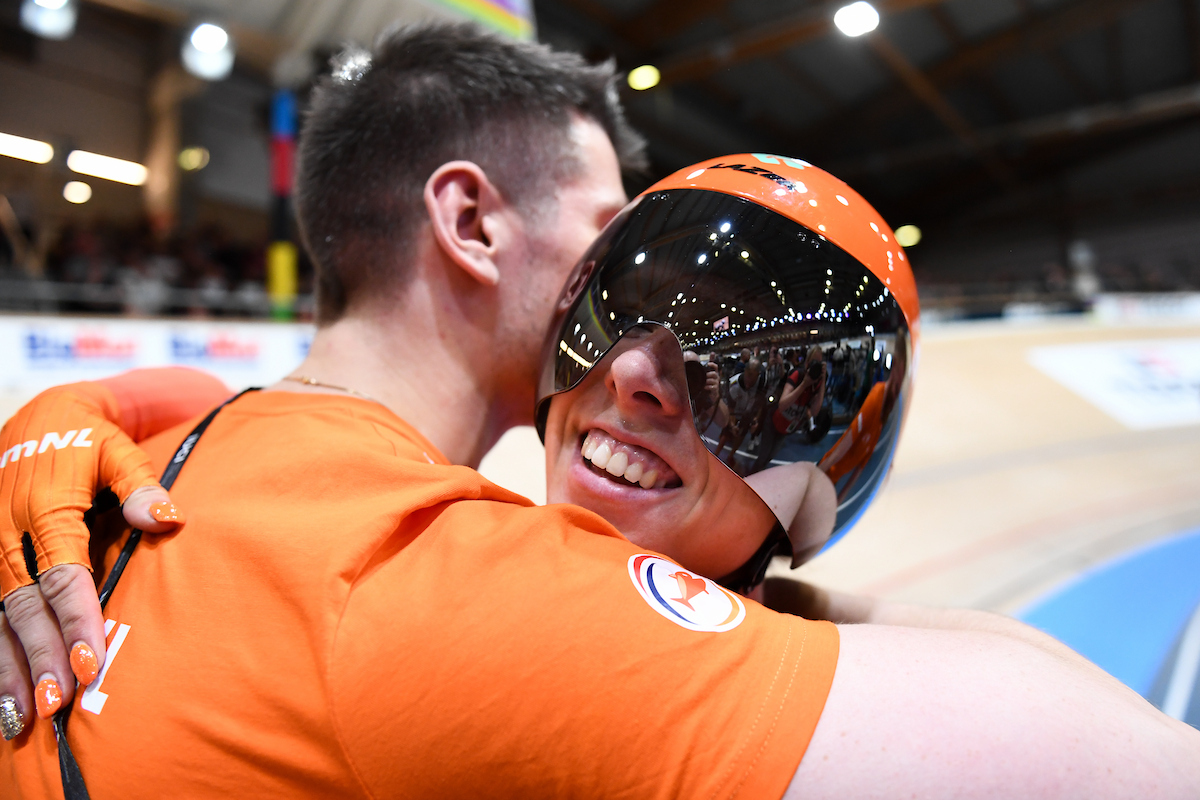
<point x="151" y="509"/>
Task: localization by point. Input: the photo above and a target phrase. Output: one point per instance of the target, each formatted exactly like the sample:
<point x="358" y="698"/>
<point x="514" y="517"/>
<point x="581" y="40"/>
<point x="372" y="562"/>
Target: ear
<point x="463" y="207"/>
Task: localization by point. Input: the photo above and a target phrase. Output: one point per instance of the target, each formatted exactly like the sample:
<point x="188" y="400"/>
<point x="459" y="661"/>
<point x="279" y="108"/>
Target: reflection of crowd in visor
<point x="827" y="402"/>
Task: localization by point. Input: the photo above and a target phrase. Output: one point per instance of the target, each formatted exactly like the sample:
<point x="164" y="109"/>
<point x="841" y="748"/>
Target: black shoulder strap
<point x="72" y="779"/>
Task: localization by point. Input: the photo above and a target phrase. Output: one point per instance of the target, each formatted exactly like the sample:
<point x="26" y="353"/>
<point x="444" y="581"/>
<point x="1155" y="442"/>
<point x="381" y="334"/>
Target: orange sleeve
<point x="860" y="435"/>
<point x="148" y="401"/>
<point x="554" y="675"/>
<point x="58" y="450"/>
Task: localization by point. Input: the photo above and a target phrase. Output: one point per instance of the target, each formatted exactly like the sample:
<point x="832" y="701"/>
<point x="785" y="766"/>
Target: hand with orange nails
<point x="56" y="454"/>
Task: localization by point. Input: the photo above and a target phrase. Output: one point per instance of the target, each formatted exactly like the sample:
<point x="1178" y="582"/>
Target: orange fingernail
<point x="84" y="663"/>
<point x="48" y="697"/>
<point x="165" y="511"/>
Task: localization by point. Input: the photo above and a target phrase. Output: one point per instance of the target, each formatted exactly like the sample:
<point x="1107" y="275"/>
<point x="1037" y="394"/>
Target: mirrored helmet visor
<point x="738" y="283"/>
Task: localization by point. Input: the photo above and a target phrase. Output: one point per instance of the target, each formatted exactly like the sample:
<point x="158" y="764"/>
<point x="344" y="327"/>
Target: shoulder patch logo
<point x="689" y="600"/>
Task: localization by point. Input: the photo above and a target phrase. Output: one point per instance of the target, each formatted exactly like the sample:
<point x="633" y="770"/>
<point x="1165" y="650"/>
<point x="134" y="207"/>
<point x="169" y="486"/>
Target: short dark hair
<point x="382" y="122"/>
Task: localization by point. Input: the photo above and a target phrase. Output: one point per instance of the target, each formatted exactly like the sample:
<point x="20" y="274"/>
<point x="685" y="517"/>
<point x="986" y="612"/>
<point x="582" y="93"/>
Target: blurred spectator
<point x="747" y="397"/>
<point x="87" y="259"/>
<point x="776" y="371"/>
<point x="106" y="268"/>
<point x="1055" y="278"/>
<point x="800" y="401"/>
<point x="250" y="297"/>
<point x="145" y="289"/>
<point x="211" y="293"/>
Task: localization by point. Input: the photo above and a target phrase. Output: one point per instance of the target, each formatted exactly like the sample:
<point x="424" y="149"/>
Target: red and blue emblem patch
<point x="687" y="599"/>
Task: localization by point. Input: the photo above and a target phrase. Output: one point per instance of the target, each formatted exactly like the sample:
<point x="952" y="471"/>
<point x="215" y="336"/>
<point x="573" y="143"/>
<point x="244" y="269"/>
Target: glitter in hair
<point x="351" y="64"/>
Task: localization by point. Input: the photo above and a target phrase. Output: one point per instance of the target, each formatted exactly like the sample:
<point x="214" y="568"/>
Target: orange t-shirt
<point x="346" y="614"/>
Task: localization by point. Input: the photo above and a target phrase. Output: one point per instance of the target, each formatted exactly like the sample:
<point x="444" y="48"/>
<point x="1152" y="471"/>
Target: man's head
<point x="384" y="122"/>
<point x="750" y="376"/>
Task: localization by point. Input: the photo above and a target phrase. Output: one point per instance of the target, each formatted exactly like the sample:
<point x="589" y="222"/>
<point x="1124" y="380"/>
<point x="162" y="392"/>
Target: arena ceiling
<point x="947" y="105"/>
<point x="951" y="108"/>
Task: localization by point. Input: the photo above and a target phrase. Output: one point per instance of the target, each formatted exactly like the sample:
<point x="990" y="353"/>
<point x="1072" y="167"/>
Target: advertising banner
<point x="1142" y="384"/>
<point x="37" y="352"/>
<point x="1171" y="307"/>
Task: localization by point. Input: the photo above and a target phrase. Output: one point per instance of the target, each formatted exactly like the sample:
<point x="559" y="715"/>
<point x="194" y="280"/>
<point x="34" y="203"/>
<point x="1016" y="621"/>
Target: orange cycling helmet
<point x="773" y="255"/>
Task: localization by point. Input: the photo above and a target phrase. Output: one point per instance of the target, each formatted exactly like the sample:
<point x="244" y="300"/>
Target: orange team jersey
<point x="346" y="614"/>
<point x="864" y="432"/>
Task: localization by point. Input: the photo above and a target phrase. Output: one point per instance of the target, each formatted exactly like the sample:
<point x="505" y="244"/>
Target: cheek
<point x="703" y="460"/>
<point x="574" y="238"/>
<point x="558" y="456"/>
<point x="554" y="432"/>
<point x="540" y="293"/>
<point x="587" y="234"/>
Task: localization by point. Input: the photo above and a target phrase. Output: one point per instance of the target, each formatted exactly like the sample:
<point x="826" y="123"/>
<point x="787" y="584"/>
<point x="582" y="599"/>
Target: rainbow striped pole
<point x="281" y="252"/>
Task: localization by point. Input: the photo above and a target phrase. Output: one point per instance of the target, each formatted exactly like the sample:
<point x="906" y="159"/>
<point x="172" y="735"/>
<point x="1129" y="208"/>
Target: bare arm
<point x="966" y="704"/>
<point x="712" y="384"/>
<point x="814" y="602"/>
<point x="818" y="398"/>
<point x="790" y="394"/>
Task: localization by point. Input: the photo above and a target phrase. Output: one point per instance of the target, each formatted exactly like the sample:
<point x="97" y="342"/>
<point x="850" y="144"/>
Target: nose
<point x="648" y="378"/>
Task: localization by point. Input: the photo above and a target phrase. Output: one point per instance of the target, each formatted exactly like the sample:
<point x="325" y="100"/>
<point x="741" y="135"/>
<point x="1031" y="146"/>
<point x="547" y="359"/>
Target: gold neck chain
<point x="307" y="381"/>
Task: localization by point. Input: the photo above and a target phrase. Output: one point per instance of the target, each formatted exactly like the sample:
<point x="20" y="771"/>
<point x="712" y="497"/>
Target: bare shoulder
<point x="975" y="714"/>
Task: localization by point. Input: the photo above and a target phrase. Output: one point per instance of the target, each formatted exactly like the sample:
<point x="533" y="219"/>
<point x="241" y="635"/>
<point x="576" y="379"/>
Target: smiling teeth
<point x="601" y="455"/>
<point x="622" y="460"/>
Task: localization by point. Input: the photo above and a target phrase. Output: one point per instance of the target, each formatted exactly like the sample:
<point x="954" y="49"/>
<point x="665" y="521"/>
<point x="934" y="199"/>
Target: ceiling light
<point x="644" y="77"/>
<point x="193" y="158"/>
<point x="856" y="18"/>
<point x="50" y="19"/>
<point x="208" y="52"/>
<point x="111" y="169"/>
<point x="209" y="38"/>
<point x="77" y="192"/>
<point x="25" y="149"/>
<point x="908" y="235"/>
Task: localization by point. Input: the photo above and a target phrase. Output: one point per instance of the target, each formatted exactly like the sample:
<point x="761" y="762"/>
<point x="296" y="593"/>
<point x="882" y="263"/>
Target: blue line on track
<point x="1126" y="614"/>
